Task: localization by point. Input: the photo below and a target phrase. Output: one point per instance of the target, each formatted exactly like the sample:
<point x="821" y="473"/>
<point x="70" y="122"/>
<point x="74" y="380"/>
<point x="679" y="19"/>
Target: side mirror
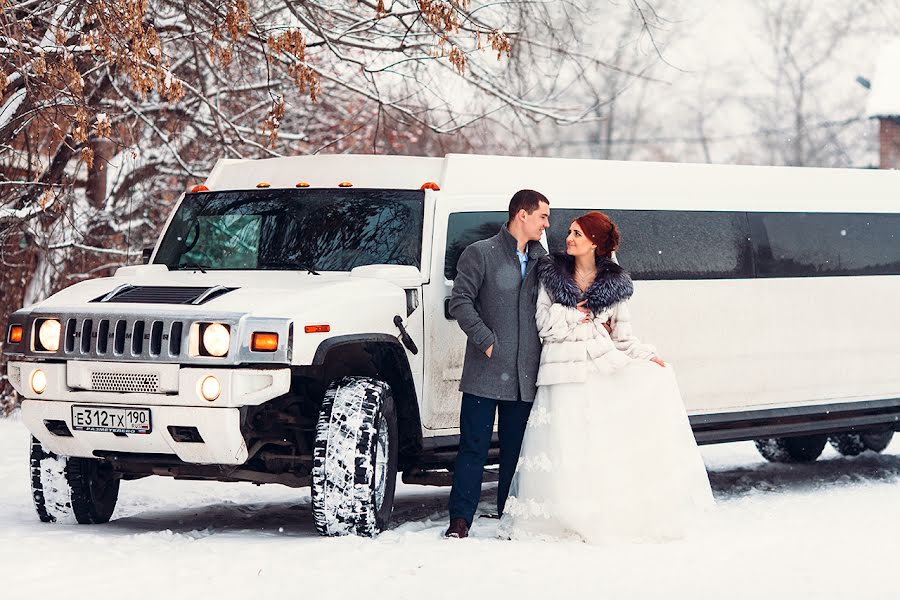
<point x="146" y="253"/>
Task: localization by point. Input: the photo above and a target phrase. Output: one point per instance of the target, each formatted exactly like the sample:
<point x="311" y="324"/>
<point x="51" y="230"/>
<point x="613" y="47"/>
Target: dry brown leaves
<point x="444" y="18"/>
<point x="273" y="119"/>
<point x="500" y="42"/>
<point x="236" y="24"/>
<point x="87" y="155"/>
<point x="293" y="44"/>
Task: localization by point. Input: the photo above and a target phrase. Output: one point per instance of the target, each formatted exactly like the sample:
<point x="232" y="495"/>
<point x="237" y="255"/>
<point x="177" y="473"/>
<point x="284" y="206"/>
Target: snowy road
<point x="829" y="529"/>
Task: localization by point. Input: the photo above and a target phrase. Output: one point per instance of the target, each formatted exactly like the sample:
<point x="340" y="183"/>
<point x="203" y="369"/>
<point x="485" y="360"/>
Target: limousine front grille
<point x="123" y="338"/>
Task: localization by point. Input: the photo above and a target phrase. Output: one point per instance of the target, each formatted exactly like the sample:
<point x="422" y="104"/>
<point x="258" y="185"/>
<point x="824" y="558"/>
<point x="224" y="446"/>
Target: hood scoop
<point x="163" y="294"/>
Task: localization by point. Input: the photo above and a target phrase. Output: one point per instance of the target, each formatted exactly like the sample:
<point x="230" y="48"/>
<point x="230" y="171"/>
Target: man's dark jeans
<point x="476" y="425"/>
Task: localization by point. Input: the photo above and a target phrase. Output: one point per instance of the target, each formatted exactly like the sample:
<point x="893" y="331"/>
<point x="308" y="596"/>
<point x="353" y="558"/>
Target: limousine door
<point x="458" y="223"/>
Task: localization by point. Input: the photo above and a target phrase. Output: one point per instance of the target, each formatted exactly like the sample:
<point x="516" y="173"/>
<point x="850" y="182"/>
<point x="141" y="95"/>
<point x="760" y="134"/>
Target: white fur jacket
<point x="569" y="345"/>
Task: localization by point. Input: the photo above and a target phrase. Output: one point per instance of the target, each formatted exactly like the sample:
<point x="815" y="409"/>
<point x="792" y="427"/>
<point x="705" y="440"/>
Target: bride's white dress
<point x="611" y="458"/>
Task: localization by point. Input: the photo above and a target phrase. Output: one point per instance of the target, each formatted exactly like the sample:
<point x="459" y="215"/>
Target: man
<point x="493" y="301"/>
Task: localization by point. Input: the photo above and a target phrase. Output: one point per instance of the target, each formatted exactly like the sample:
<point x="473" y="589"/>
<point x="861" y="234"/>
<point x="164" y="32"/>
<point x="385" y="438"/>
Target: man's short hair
<point x="529" y="200"/>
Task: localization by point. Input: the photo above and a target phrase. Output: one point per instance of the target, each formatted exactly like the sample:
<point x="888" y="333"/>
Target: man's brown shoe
<point x="458" y="528"/>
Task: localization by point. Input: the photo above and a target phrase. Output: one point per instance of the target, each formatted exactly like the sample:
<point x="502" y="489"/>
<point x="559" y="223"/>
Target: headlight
<point x="48" y="335"/>
<point x="216" y="339"/>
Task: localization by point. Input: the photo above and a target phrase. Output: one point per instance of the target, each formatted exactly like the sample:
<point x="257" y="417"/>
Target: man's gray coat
<point x="494" y="306"/>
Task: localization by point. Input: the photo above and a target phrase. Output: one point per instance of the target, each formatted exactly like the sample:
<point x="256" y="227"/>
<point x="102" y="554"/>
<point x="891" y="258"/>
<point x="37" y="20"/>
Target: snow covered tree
<point x="110" y="108"/>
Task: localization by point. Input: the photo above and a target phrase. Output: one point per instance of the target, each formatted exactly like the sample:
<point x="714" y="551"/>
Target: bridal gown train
<point x="611" y="458"/>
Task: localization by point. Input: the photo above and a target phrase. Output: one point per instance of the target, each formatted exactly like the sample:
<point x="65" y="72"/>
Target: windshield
<point x="303" y="229"/>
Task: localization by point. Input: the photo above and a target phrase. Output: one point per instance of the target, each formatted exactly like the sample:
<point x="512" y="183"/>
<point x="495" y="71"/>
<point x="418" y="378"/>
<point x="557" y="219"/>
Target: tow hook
<point x="404" y="336"/>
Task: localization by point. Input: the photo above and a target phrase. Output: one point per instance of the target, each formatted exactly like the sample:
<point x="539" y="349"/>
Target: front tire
<point x="69" y="489"/>
<point x="800" y="449"/>
<point x="354" y="473"/>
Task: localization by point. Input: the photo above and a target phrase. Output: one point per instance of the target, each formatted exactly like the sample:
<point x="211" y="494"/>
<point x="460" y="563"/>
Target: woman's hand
<point x="658" y="361"/>
<point x="584" y="309"/>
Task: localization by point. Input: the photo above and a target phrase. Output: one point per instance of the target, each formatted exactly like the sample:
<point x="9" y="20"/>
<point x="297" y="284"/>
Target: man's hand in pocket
<point x="489" y="351"/>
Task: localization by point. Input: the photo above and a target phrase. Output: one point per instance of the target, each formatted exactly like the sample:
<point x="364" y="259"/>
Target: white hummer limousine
<point x="291" y="324"/>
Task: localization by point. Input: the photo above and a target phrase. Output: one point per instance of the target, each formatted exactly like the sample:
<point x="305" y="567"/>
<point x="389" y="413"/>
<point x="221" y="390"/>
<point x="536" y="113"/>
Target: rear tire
<point x="852" y="444"/>
<point x="800" y="449"/>
<point x="877" y="441"/>
<point x="354" y="471"/>
<point x="71" y="489"/>
<point x="847" y="444"/>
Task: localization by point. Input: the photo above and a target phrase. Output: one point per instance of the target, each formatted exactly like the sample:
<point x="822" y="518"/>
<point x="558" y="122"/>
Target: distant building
<point x="884" y="105"/>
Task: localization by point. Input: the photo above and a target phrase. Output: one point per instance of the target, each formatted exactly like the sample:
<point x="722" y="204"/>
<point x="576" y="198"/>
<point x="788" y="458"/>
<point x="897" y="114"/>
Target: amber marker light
<point x="430" y="185"/>
<point x="263" y="184"/>
<point x="264" y="341"/>
<point x="199" y="188"/>
<point x="345" y="184"/>
<point x="317" y="328"/>
<point x="301" y="184"/>
<point x="15" y="334"/>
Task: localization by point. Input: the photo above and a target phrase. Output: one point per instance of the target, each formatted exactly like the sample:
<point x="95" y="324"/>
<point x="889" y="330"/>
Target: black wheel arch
<point x="380" y="356"/>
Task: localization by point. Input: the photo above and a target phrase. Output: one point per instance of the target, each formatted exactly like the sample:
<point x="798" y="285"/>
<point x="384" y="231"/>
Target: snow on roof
<point x="327" y="170"/>
<point x="613" y="184"/>
<point x="884" y="98"/>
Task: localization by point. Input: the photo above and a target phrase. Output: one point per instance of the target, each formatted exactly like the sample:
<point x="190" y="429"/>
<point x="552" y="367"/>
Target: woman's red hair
<point x="600" y="229"/>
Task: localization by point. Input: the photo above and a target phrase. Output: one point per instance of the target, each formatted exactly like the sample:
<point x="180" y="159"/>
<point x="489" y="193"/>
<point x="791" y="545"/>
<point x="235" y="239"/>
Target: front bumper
<point x="174" y="402"/>
<point x="220" y="429"/>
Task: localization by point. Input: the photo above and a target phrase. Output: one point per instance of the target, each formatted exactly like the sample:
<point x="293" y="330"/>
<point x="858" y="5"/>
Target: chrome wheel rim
<point x="381" y="461"/>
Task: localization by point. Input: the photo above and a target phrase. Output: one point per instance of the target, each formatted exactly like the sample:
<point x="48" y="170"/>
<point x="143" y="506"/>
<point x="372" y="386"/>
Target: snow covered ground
<point x="829" y="529"/>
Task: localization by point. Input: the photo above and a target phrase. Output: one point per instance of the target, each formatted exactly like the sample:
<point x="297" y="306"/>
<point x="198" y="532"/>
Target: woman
<point x="608" y="453"/>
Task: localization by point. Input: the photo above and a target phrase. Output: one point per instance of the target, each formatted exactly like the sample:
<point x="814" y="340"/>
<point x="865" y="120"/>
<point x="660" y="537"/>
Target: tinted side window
<point x="824" y="245"/>
<point x="466" y="228"/>
<point x="666" y="244"/>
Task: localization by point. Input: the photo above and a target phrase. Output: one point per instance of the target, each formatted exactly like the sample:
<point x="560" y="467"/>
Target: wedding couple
<point x="594" y="440"/>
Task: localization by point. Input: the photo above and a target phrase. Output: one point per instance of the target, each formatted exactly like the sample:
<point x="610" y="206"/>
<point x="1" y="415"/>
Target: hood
<point x="256" y="293"/>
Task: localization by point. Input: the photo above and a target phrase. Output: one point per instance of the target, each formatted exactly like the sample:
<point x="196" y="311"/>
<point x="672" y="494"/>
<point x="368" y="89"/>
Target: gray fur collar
<point x="612" y="285"/>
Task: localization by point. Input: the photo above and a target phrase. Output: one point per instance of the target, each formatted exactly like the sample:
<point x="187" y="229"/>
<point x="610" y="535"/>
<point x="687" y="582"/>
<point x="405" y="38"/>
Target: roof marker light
<point x="263" y="184"/>
<point x="345" y="184"/>
<point x="302" y="184"/>
<point x="430" y="185"/>
<point x="199" y="188"/>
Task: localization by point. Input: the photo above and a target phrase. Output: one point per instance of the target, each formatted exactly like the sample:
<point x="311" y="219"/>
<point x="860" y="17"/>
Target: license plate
<point x="115" y="419"/>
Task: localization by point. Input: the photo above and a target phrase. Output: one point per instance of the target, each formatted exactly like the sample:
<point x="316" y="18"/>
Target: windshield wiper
<point x="291" y="266"/>
<point x="193" y="267"/>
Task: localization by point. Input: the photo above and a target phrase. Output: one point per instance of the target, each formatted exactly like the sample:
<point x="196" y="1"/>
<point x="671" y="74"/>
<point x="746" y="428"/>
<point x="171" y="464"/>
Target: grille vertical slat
<point x="87" y="328"/>
<point x="71" y="328"/>
<point x="175" y="338"/>
<point x="103" y="337"/>
<point x="137" y="338"/>
<point x="119" y="337"/>
<point x="156" y="338"/>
